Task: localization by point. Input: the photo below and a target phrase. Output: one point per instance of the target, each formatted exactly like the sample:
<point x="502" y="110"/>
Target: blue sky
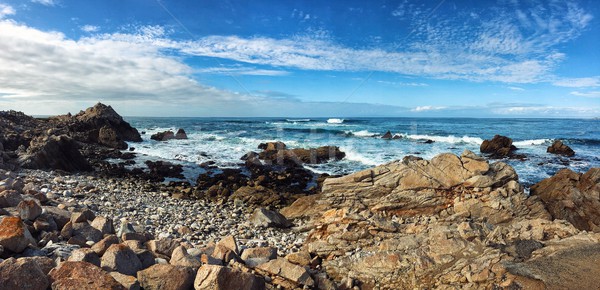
<point x="505" y="58"/>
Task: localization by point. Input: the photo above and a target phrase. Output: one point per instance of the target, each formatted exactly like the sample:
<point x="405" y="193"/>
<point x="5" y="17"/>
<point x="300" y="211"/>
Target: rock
<point x="180" y="257"/>
<point x="122" y="259"/>
<point x="181" y="134"/>
<point x="83" y="216"/>
<point x="60" y="216"/>
<point x="498" y="147"/>
<point x="82" y="276"/>
<point x="167" y="277"/>
<point x="10" y="198"/>
<point x="387" y="135"/>
<point x="163" y="136"/>
<point x="253" y="257"/>
<point x="229" y="243"/>
<point x="104" y="225"/>
<point x="107" y="136"/>
<point x="22" y="274"/>
<point x="54" y="152"/>
<point x="301" y="258"/>
<point x="294" y="273"/>
<point x="29" y="209"/>
<point x="14" y="235"/>
<point x="573" y="197"/>
<point x="87" y="232"/>
<point x="100" y="116"/>
<point x="85" y="255"/>
<point x="129" y="282"/>
<point x="103" y="245"/>
<point x="275" y="153"/>
<point x="263" y="217"/>
<point x="214" y="277"/>
<point x="272" y="146"/>
<point x="560" y="149"/>
<point x="162" y="246"/>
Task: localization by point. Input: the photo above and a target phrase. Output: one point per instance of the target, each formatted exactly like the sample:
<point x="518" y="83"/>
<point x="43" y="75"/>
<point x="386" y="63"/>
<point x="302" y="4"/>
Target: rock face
<point x="54" y="152"/>
<point x="560" y="149"/>
<point x="103" y="116"/>
<point x="573" y="197"/>
<point x="498" y="147"/>
<point x="387" y="135"/>
<point x="276" y="153"/>
<point x="181" y="134"/>
<point x="452" y="222"/>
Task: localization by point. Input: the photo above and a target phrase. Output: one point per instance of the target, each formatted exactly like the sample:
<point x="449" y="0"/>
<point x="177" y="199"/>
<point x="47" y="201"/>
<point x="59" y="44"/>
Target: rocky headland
<point x="69" y="219"/>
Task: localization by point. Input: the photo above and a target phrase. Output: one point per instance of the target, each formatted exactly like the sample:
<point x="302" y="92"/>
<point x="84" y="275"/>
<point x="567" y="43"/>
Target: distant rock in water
<point x="397" y="137"/>
<point x="163" y="136"/>
<point x="428" y="141"/>
<point x="572" y="196"/>
<point x="387" y="135"/>
<point x="181" y="134"/>
<point x="276" y="153"/>
<point x="559" y="148"/>
<point x="498" y="147"/>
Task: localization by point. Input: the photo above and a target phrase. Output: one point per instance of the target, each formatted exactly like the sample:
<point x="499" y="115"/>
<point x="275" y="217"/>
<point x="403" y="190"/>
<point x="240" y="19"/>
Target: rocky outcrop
<point x="572" y="196"/>
<point x="276" y="153"/>
<point x="54" y="152"/>
<point x="498" y="147"/>
<point x="387" y="135"/>
<point x="451" y="222"/>
<point x="181" y="134"/>
<point x="559" y="148"/>
<point x="163" y="136"/>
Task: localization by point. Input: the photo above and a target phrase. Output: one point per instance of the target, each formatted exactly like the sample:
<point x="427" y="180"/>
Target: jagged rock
<point x="253" y="257"/>
<point x="99" y="116"/>
<point x="181" y="134"/>
<point x="54" y="152"/>
<point x="129" y="282"/>
<point x="104" y="225"/>
<point x="573" y="197"/>
<point x="284" y="269"/>
<point x="387" y="135"/>
<point x="162" y="246"/>
<point x="560" y="149"/>
<point x="84" y="216"/>
<point x="272" y="146"/>
<point x="263" y="217"/>
<point x="122" y="259"/>
<point x="107" y="136"/>
<point x="163" y="136"/>
<point x="103" y="245"/>
<point x="167" y="277"/>
<point x="22" y="273"/>
<point x="498" y="147"/>
<point x="301" y="258"/>
<point x="85" y="255"/>
<point x="10" y="198"/>
<point x="230" y="243"/>
<point x="82" y="276"/>
<point x="180" y="257"/>
<point x="29" y="209"/>
<point x="214" y="277"/>
<point x="86" y="231"/>
<point x="298" y="156"/>
<point x="14" y="235"/>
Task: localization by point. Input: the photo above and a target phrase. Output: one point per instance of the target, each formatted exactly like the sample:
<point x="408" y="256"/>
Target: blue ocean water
<point x="225" y="140"/>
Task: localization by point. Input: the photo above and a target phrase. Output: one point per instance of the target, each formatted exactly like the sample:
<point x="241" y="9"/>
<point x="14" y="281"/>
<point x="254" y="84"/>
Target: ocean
<point x="224" y="140"/>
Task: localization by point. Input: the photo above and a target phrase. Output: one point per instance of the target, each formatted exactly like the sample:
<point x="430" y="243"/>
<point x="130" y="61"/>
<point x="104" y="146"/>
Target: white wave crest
<point x="335" y="121"/>
<point x="533" y="142"/>
<point x="447" y="139"/>
<point x="361" y="133"/>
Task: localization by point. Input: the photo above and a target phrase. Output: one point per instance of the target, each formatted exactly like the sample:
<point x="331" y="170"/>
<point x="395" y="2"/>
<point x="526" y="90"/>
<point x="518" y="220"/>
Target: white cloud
<point x="592" y="94"/>
<point x="90" y="28"/>
<point x="516" y="88"/>
<point x="426" y="108"/>
<point x="45" y="2"/>
<point x="578" y="82"/>
<point x="242" y="71"/>
<point x="6" y="10"/>
<point x="404" y="84"/>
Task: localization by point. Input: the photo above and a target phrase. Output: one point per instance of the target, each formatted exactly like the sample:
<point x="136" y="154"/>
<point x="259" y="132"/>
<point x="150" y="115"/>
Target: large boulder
<point x="82" y="276"/>
<point x="101" y="115"/>
<point x="572" y="196"/>
<point x="14" y="235"/>
<point x="22" y="273"/>
<point x="498" y="147"/>
<point x="166" y="277"/>
<point x="163" y="136"/>
<point x="214" y="277"/>
<point x="559" y="148"/>
<point x="122" y="259"/>
<point x="54" y="152"/>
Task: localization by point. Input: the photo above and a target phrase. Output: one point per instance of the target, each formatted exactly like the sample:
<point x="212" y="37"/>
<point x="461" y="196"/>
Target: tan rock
<point x="281" y="267"/>
<point x="301" y="258"/>
<point x="122" y="259"/>
<point x="29" y="209"/>
<point x="180" y="257"/>
<point x="162" y="246"/>
<point x="166" y="277"/>
<point x="82" y="276"/>
<point x="128" y="282"/>
<point x="14" y="235"/>
<point x="101" y="246"/>
<point x="214" y="277"/>
<point x="85" y="255"/>
<point x="22" y="274"/>
<point x="253" y="257"/>
<point x="104" y="225"/>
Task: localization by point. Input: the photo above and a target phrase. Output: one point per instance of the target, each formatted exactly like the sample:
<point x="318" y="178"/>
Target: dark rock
<point x="99" y="116"/>
<point x="498" y="147"/>
<point x="108" y="136"/>
<point x="560" y="149"/>
<point x="397" y="137"/>
<point x="387" y="135"/>
<point x="54" y="152"/>
<point x="574" y="197"/>
<point x="428" y="141"/>
<point x="181" y="134"/>
<point x="164" y="169"/>
<point x="163" y="136"/>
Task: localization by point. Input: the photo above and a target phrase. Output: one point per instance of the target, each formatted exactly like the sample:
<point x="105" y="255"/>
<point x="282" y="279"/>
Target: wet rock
<point x="181" y="134"/>
<point x="560" y="149"/>
<point x="163" y="136"/>
<point x="214" y="277"/>
<point x="122" y="259"/>
<point x="14" y="235"/>
<point x="166" y="277"/>
<point x="82" y="275"/>
<point x="498" y="147"/>
<point x="22" y="274"/>
<point x="387" y="135"/>
<point x="107" y="136"/>
<point x="572" y="196"/>
<point x="263" y="217"/>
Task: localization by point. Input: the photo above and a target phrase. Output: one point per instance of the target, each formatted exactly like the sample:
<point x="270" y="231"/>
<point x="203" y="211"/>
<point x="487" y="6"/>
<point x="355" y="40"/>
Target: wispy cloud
<point x="592" y="94"/>
<point x="242" y="71"/>
<point x="46" y="2"/>
<point x="578" y="82"/>
<point x="404" y="84"/>
<point x="90" y="28"/>
<point x="516" y="88"/>
<point x="427" y="108"/>
<point x="6" y="10"/>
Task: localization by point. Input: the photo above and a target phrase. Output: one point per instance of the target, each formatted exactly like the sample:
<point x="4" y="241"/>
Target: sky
<point x="407" y="58"/>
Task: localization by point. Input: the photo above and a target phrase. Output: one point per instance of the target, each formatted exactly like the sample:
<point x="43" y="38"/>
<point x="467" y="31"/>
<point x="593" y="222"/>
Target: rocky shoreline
<point x="75" y="221"/>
